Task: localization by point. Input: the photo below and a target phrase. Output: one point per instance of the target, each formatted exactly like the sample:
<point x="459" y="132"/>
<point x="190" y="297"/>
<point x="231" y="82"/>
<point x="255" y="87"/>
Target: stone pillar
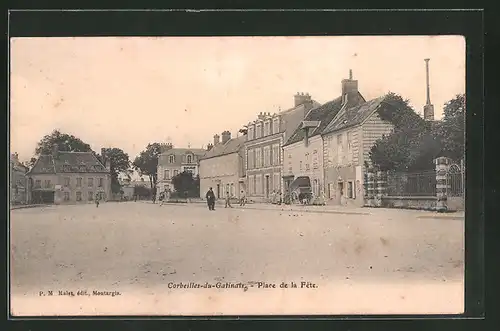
<point x="381" y="185"/>
<point x="442" y="166"/>
<point x="369" y="187"/>
<point x="58" y="195"/>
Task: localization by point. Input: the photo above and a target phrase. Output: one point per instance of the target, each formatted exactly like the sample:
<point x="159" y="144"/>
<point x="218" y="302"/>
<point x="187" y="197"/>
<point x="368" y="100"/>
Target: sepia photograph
<point x="189" y="176"/>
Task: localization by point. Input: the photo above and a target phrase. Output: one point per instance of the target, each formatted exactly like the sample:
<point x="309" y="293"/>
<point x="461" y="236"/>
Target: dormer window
<point x="276" y="125"/>
<point x="258" y="130"/>
<point x="171" y="158"/>
<point x="189" y="159"/>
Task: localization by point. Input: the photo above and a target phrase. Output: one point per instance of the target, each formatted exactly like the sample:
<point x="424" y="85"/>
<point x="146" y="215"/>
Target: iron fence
<point x="411" y="184"/>
<point x="455" y="181"/>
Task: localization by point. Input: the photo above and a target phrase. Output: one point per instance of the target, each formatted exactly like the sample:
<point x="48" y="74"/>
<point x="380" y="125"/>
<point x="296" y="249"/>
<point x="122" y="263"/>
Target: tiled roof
<point x="220" y="149"/>
<point x="68" y="162"/>
<point x="324" y="114"/>
<point x="353" y="116"/>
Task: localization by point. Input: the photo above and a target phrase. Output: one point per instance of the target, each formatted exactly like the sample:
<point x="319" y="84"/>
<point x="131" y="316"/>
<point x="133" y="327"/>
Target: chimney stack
<point x="226" y="136"/>
<point x="349" y="85"/>
<point x="55" y="151"/>
<point x="216" y="139"/>
<point x="103" y="156"/>
<point x="428" y="108"/>
<point x="302" y="99"/>
<point x="209" y="146"/>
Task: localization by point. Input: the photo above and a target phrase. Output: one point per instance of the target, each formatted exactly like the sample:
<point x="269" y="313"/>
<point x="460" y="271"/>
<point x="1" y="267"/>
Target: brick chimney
<point x="55" y="151"/>
<point x="15" y="157"/>
<point x="103" y="156"/>
<point x="209" y="146"/>
<point x="216" y="139"/>
<point x="301" y="99"/>
<point x="349" y="85"/>
<point x="226" y="136"/>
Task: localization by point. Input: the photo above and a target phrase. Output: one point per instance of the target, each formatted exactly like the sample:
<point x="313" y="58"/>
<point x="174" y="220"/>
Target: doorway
<point x="340" y="192"/>
<point x="267" y="186"/>
<point x="218" y="191"/>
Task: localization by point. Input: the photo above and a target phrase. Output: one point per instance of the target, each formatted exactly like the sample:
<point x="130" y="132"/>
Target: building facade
<point x="69" y="177"/>
<point x="347" y="142"/>
<point x="303" y="151"/>
<point x="18" y="181"/>
<point x="172" y="161"/>
<point x="263" y="147"/>
<point x="223" y="167"/>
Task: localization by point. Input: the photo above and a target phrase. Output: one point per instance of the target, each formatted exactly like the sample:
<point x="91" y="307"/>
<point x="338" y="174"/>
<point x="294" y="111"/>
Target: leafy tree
<point x="65" y="142"/>
<point x="184" y="182"/>
<point x="119" y="163"/>
<point x="451" y="130"/>
<point x="147" y="162"/>
<point x="412" y="146"/>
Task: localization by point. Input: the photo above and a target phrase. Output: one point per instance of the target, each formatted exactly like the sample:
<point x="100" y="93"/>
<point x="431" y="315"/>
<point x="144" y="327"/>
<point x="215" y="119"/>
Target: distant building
<point x="303" y="152"/>
<point x="173" y="161"/>
<point x="69" y="177"/>
<point x="223" y="166"/>
<point x="265" y="138"/>
<point x="18" y="181"/>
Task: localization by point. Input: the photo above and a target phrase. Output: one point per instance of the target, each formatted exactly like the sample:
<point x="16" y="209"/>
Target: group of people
<point x="210" y="196"/>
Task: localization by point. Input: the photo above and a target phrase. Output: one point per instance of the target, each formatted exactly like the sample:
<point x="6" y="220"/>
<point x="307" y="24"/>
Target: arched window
<point x="189" y="159"/>
<point x="171" y="158"/>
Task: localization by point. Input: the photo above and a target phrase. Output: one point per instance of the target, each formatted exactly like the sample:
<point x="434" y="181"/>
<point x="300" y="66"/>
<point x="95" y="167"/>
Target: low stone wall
<point x="456" y="203"/>
<point x="410" y="202"/>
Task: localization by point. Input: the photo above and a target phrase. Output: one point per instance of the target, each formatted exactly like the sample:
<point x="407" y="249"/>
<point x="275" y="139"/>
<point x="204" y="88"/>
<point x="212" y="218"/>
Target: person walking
<point x="210" y="196"/>
<point x="97" y="200"/>
<point x="228" y="200"/>
<point x="242" y="198"/>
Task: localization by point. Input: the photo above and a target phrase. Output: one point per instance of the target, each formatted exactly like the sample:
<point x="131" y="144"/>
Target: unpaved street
<point x="381" y="262"/>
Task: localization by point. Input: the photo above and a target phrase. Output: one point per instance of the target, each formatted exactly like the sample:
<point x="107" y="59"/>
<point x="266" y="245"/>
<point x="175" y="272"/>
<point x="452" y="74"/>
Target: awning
<point x="300" y="182"/>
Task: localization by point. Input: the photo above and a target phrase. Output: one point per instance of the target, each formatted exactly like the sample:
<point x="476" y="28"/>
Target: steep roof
<point x="324" y="114"/>
<point x="231" y="146"/>
<point x="353" y="115"/>
<point x="68" y="162"/>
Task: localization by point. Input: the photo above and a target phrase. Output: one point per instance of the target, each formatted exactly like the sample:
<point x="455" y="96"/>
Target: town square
<point x="203" y="183"/>
<point x="141" y="249"/>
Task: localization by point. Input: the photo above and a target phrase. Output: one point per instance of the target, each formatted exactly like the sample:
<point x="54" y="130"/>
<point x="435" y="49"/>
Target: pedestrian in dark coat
<point x="210" y="196"/>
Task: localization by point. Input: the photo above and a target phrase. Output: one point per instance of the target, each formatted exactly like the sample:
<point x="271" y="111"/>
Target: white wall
<point x="296" y="153"/>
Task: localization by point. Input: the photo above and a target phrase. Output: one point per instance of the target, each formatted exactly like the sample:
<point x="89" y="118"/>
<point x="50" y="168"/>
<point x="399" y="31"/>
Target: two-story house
<point x="265" y="138"/>
<point x="347" y="141"/>
<point x="303" y="151"/>
<point x="69" y="177"/>
<point x="223" y="167"/>
<point x="173" y="161"/>
<point x="18" y="182"/>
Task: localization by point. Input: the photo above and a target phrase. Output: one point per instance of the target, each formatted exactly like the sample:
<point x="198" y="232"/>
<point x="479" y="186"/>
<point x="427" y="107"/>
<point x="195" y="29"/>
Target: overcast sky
<point x="127" y="92"/>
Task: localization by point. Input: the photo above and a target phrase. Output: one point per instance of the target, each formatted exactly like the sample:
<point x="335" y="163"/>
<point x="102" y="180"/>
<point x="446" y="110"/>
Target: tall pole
<point x="427" y="81"/>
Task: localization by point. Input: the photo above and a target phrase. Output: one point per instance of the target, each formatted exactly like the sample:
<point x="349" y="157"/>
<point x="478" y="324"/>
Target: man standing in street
<point x="210" y="196"/>
<point x="242" y="198"/>
<point x="228" y="200"/>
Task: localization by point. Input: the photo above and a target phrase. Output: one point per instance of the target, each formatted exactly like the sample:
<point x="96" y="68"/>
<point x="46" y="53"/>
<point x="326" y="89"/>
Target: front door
<point x="267" y="186"/>
<point x="340" y="192"/>
<point x="218" y="191"/>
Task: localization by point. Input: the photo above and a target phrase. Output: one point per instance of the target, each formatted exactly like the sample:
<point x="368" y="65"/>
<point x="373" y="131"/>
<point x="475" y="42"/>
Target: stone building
<point x="223" y="167"/>
<point x="303" y="151"/>
<point x="69" y="177"/>
<point x="173" y="161"/>
<point x="265" y="138"/>
<point x="18" y="181"/>
<point x="347" y="141"/>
